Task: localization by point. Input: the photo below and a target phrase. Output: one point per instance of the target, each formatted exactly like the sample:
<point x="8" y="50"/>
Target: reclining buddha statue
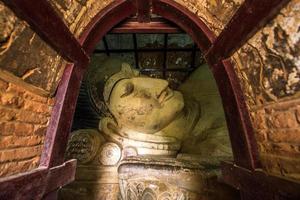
<point x="158" y="143"/>
<point x="152" y="119"/>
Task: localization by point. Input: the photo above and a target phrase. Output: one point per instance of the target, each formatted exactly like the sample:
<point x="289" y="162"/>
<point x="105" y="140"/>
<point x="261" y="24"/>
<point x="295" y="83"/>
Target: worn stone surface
<point x="269" y="70"/>
<point x="276" y="129"/>
<point x="78" y="13"/>
<point x="26" y="55"/>
<point x="214" y="13"/>
<point x="282" y="165"/>
<point x="24" y="116"/>
<point x="268" y="64"/>
<point x="169" y="179"/>
<point x="23" y="123"/>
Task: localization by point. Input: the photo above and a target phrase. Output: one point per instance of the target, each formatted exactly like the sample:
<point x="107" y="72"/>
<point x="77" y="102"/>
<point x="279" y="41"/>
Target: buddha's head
<point x="140" y="103"/>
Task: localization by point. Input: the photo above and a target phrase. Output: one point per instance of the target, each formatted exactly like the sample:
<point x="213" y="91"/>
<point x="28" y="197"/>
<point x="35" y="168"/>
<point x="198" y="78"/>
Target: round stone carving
<point x="84" y="144"/>
<point x="110" y="154"/>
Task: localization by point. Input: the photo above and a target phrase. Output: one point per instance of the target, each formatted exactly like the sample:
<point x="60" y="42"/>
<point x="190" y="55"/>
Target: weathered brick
<point x="285" y="135"/>
<point x="298" y="114"/>
<point x="19" y="153"/>
<point x="15" y="167"/>
<point x="37" y="107"/>
<point x="282" y="106"/>
<point x="7" y="114"/>
<point x="283" y="120"/>
<point x="23" y="129"/>
<point x="283" y="149"/>
<point x="261" y="135"/>
<point x="31" y="117"/>
<point x="281" y="165"/>
<point x="16" y="141"/>
<point x="3" y="85"/>
<point x="12" y="100"/>
<point x="12" y="88"/>
<point x="19" y="127"/>
<point x="51" y="101"/>
<point x="259" y="119"/>
<point x="34" y="97"/>
<point x="6" y="128"/>
<point x="40" y="130"/>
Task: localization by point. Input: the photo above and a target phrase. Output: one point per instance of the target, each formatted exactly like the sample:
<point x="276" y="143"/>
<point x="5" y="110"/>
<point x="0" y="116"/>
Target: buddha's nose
<point x="160" y="86"/>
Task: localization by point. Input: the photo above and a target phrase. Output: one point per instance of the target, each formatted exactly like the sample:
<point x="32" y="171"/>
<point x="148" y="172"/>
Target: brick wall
<point x="24" y="117"/>
<point x="277" y="128"/>
<point x="268" y="68"/>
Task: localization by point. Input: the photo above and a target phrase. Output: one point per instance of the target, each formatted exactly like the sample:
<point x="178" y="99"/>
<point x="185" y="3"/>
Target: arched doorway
<point x="234" y="106"/>
<point x="241" y="134"/>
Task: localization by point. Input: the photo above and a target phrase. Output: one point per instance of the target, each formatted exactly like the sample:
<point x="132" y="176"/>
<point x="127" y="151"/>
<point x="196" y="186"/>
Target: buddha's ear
<point x="108" y="125"/>
<point x="127" y="69"/>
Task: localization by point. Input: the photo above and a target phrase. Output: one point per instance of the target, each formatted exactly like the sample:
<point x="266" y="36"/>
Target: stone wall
<point x="24" y="54"/>
<point x="30" y="71"/>
<point x="268" y="66"/>
<point x="29" y="74"/>
<point x="277" y="128"/>
<point x="24" y="118"/>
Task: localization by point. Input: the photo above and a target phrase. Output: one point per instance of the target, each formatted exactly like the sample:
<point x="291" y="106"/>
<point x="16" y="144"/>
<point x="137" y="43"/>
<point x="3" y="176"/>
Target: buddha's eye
<point x="128" y="90"/>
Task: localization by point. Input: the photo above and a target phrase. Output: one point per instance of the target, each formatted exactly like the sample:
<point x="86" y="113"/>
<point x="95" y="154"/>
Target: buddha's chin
<point x="175" y="101"/>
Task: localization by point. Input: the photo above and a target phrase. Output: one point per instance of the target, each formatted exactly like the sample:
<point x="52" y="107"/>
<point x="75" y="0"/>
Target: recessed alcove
<point x="172" y="56"/>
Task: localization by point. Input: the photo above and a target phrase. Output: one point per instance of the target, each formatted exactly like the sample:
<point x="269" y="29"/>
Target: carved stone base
<point x="148" y="178"/>
<point x="144" y="178"/>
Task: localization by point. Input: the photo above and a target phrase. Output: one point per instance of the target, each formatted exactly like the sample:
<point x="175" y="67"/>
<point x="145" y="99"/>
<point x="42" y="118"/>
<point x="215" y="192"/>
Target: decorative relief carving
<point x="170" y="179"/>
<point x="110" y="154"/>
<point x="154" y="191"/>
<point x="214" y="13"/>
<point x="84" y="144"/>
<point x="25" y="55"/>
<point x="268" y="64"/>
<point x="68" y="9"/>
<point x="137" y="191"/>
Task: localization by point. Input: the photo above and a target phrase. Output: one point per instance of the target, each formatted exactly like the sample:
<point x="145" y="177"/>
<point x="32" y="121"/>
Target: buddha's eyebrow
<point x="128" y="90"/>
<point x="115" y="86"/>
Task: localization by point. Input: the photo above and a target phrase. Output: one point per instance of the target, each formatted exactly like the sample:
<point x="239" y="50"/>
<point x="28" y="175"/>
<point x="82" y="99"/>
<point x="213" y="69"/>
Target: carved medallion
<point x="84" y="144"/>
<point x="110" y="154"/>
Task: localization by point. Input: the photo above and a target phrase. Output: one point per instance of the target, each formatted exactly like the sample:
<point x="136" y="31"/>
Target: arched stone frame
<point x="237" y="116"/>
<point x="53" y="172"/>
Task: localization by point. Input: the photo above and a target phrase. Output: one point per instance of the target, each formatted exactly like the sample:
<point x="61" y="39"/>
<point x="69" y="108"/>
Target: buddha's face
<point x="144" y="104"/>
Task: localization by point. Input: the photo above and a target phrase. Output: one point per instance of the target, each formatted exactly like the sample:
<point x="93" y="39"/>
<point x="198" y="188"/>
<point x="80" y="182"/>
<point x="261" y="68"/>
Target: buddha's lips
<point x="165" y="95"/>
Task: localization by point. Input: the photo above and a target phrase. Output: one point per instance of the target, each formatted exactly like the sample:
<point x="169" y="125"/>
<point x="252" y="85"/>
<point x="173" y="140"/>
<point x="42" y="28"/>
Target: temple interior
<point x="150" y="99"/>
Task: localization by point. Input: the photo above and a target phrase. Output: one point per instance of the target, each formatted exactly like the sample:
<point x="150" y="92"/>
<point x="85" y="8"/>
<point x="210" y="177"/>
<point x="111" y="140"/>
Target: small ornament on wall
<point x="84" y="144"/>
